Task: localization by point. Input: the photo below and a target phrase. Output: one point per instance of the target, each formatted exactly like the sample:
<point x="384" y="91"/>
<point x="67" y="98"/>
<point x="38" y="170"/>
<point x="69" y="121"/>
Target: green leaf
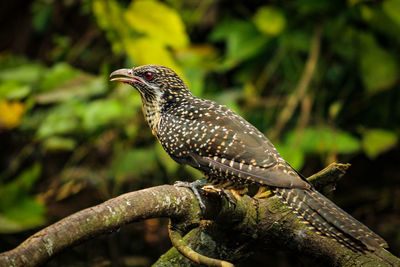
<point x="8" y="226"/>
<point x="56" y="143"/>
<point x="334" y="109"/>
<point x="295" y="157"/>
<point x="60" y="120"/>
<point x="26" y="73"/>
<point x="58" y="75"/>
<point x="243" y="40"/>
<point x="24" y="214"/>
<point x="103" y="11"/>
<point x="101" y="112"/>
<point x="377" y="141"/>
<point x="195" y="76"/>
<point x="379" y="20"/>
<point x="270" y="20"/>
<point x="19" y="187"/>
<point x="322" y="139"/>
<point x="194" y="173"/>
<point x="379" y="68"/>
<point x="158" y="21"/>
<point x="83" y="87"/>
<point x="109" y="16"/>
<point x="392" y="9"/>
<point x="14" y="90"/>
<point x="138" y="50"/>
<point x="196" y="62"/>
<point x="134" y="162"/>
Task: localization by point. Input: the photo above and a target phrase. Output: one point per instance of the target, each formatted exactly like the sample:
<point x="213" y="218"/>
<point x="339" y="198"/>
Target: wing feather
<point x="222" y="143"/>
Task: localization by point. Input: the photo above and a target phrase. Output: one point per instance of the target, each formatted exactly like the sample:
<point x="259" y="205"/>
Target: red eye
<point x="148" y="75"/>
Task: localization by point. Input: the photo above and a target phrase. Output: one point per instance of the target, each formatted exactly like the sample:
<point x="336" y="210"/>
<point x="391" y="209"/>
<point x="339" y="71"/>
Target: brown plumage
<point x="232" y="153"/>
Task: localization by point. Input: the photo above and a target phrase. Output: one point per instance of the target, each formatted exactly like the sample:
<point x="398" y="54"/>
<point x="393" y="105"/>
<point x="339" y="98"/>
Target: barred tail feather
<point x="330" y="220"/>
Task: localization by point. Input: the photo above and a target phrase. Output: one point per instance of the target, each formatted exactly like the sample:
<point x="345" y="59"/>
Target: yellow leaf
<point x="10" y="114"/>
<point x="109" y="15"/>
<point x="148" y="51"/>
<point x="157" y="21"/>
<point x="270" y="20"/>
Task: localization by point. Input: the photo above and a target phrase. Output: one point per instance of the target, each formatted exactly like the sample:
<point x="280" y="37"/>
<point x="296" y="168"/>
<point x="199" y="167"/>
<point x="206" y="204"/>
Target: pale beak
<point x="125" y="76"/>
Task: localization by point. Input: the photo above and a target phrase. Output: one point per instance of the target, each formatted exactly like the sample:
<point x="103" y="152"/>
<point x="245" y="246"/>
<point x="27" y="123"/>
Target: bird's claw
<point x="196" y="187"/>
<point x="202" y="186"/>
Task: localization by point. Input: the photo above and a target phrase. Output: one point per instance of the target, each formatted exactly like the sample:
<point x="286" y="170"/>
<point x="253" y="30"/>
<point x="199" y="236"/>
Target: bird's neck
<point x="156" y="105"/>
<point x="152" y="113"/>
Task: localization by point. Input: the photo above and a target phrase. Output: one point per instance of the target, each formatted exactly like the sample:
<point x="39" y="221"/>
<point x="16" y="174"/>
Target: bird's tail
<point x="330" y="220"/>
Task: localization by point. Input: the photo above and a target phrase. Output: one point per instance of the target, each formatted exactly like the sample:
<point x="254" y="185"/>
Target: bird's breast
<point x="152" y="115"/>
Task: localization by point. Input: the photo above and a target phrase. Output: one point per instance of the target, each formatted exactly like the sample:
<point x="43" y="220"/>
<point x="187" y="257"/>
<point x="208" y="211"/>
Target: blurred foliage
<point x="65" y="130"/>
<point x="19" y="211"/>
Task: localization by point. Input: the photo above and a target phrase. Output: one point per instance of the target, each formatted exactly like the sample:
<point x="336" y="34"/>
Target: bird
<point x="233" y="154"/>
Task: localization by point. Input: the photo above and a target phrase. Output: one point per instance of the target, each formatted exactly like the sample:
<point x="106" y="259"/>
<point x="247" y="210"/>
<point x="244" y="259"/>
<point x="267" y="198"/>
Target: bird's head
<point x="153" y="82"/>
<point x="160" y="89"/>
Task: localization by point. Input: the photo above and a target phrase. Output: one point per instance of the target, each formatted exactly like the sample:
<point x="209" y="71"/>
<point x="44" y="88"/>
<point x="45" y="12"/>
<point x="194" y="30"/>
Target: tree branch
<point x="224" y="231"/>
<point x="161" y="201"/>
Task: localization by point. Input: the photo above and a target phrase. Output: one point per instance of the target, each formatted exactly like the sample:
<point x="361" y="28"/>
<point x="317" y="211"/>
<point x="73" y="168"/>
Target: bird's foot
<point x="196" y="187"/>
<point x="202" y="185"/>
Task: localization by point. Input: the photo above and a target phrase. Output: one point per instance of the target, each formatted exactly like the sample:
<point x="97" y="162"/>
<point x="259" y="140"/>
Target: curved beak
<point x="125" y="76"/>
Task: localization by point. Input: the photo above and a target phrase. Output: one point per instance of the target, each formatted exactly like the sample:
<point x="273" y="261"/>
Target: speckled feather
<point x="226" y="148"/>
<point x="232" y="153"/>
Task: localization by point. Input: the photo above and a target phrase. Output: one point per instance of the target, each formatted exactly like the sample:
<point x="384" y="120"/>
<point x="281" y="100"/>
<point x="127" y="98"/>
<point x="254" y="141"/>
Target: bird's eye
<point x="148" y="75"/>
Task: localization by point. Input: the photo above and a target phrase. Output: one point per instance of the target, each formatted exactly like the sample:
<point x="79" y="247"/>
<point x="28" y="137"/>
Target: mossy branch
<point x="223" y="231"/>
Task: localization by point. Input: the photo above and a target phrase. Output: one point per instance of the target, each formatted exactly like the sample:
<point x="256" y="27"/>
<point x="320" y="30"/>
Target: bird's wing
<point x="227" y="144"/>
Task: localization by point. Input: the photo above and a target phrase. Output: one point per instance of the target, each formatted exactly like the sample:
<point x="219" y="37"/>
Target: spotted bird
<point x="232" y="153"/>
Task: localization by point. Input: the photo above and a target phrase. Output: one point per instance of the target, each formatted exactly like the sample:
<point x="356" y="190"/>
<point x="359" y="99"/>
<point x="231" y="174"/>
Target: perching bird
<point x="232" y="153"/>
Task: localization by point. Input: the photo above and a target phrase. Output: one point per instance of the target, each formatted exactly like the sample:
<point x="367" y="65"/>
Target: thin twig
<point x="326" y="179"/>
<point x="301" y="87"/>
<point x="185" y="250"/>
